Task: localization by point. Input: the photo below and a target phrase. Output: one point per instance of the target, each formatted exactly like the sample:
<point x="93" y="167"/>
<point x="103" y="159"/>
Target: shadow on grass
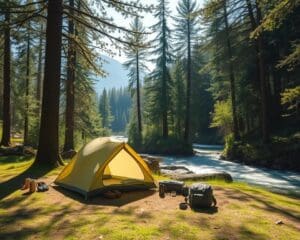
<point x="265" y="203"/>
<point x="211" y="210"/>
<point x="126" y="198"/>
<point x="14" y="159"/>
<point x="18" y="231"/>
<point x="9" y="186"/>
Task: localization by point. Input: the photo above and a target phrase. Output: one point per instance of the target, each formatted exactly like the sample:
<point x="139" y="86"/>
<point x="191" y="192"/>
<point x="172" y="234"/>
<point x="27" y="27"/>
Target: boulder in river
<point x="174" y="170"/>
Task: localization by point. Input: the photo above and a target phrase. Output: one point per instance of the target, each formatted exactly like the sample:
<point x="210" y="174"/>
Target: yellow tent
<point x="105" y="164"/>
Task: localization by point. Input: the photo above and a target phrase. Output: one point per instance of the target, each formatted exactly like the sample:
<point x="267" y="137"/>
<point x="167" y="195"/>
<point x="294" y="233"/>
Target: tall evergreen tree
<point x="159" y="81"/>
<point x="136" y="55"/>
<point x="48" y="148"/>
<point x="27" y="85"/>
<point x="186" y="36"/>
<point x="231" y="73"/>
<point x="70" y="85"/>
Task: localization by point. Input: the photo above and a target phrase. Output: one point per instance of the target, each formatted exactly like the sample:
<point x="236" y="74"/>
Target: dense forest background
<point x="226" y="72"/>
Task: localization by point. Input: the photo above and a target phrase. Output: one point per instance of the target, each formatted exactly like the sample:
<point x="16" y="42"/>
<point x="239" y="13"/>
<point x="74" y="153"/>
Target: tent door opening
<point x="122" y="170"/>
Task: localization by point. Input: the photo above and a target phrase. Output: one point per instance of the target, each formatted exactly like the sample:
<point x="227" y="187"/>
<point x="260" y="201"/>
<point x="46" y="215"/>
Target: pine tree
<point x="136" y="56"/>
<point x="48" y="149"/>
<point x="70" y="84"/>
<point x="159" y="81"/>
<point x="186" y="36"/>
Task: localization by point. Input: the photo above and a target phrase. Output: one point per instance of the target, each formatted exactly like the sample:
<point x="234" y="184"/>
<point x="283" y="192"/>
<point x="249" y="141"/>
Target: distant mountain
<point x="116" y="75"/>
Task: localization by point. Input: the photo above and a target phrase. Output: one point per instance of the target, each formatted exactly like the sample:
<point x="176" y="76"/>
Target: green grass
<point x="244" y="212"/>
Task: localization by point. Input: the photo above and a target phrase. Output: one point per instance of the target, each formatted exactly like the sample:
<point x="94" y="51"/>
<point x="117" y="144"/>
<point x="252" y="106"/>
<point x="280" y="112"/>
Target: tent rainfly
<point x="105" y="164"/>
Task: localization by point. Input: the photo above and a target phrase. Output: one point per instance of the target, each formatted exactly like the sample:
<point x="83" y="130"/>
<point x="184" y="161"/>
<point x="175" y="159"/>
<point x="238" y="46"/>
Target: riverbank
<point x="208" y="161"/>
<point x="280" y="154"/>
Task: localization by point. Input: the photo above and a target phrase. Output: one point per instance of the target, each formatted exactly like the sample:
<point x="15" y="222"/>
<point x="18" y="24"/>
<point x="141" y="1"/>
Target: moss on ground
<point x="244" y="212"/>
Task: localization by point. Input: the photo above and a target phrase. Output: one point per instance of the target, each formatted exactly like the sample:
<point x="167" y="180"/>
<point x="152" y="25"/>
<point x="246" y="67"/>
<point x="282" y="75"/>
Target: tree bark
<point x="39" y="70"/>
<point x="138" y="99"/>
<point x="236" y="135"/>
<point x="70" y="88"/>
<point x="48" y="147"/>
<point x="263" y="84"/>
<point x="26" y="114"/>
<point x="259" y="46"/>
<point x="5" y="140"/>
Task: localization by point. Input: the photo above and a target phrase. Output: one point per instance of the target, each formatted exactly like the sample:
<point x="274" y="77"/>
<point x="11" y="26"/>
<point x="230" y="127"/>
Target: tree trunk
<point x="39" y="70"/>
<point x="263" y="84"/>
<point x="236" y="135"/>
<point x="70" y="88"/>
<point x="26" y="117"/>
<point x="48" y="147"/>
<point x="5" y="141"/>
<point x="259" y="46"/>
<point x="188" y="85"/>
<point x="138" y="100"/>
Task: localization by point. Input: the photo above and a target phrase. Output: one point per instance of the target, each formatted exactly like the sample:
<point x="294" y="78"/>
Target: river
<point x="207" y="160"/>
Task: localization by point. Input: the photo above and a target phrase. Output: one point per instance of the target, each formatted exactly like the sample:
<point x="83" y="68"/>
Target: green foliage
<point x="291" y="98"/>
<point x="136" y="54"/>
<point x="178" y="108"/>
<point x="104" y="109"/>
<point x="292" y="60"/>
<point x="154" y="143"/>
<point x="120" y="105"/>
<point x="134" y="136"/>
<point x="186" y="26"/>
<point x="222" y="117"/>
<point x="279" y="11"/>
<point x="158" y="84"/>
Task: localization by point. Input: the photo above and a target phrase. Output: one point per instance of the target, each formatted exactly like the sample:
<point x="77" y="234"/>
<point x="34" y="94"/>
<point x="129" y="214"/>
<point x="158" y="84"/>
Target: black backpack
<point x="201" y="196"/>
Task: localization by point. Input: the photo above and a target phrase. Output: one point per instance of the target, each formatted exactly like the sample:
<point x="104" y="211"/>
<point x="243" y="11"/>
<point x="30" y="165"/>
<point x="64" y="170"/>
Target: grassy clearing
<point x="244" y="212"/>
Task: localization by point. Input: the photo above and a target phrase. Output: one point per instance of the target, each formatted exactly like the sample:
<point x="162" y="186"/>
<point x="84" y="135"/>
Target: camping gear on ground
<point x="170" y="186"/>
<point x="201" y="196"/>
<point x="105" y="164"/>
<point x="183" y="206"/>
<point x="42" y="187"/>
<point x="198" y="195"/>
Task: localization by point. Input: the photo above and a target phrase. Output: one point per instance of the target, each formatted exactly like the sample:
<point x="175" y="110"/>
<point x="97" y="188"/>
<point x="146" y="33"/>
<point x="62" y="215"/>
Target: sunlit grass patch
<point x="244" y="212"/>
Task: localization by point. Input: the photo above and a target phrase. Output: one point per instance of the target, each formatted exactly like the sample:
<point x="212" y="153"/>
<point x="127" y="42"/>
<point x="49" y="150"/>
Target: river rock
<point x="175" y="170"/>
<point x="153" y="162"/>
<point x="204" y="176"/>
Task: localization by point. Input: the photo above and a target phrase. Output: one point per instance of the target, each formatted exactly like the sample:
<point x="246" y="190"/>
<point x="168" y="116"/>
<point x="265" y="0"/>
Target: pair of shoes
<point x="112" y="194"/>
<point x="26" y="184"/>
<point x="42" y="187"/>
<point x="29" y="184"/>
